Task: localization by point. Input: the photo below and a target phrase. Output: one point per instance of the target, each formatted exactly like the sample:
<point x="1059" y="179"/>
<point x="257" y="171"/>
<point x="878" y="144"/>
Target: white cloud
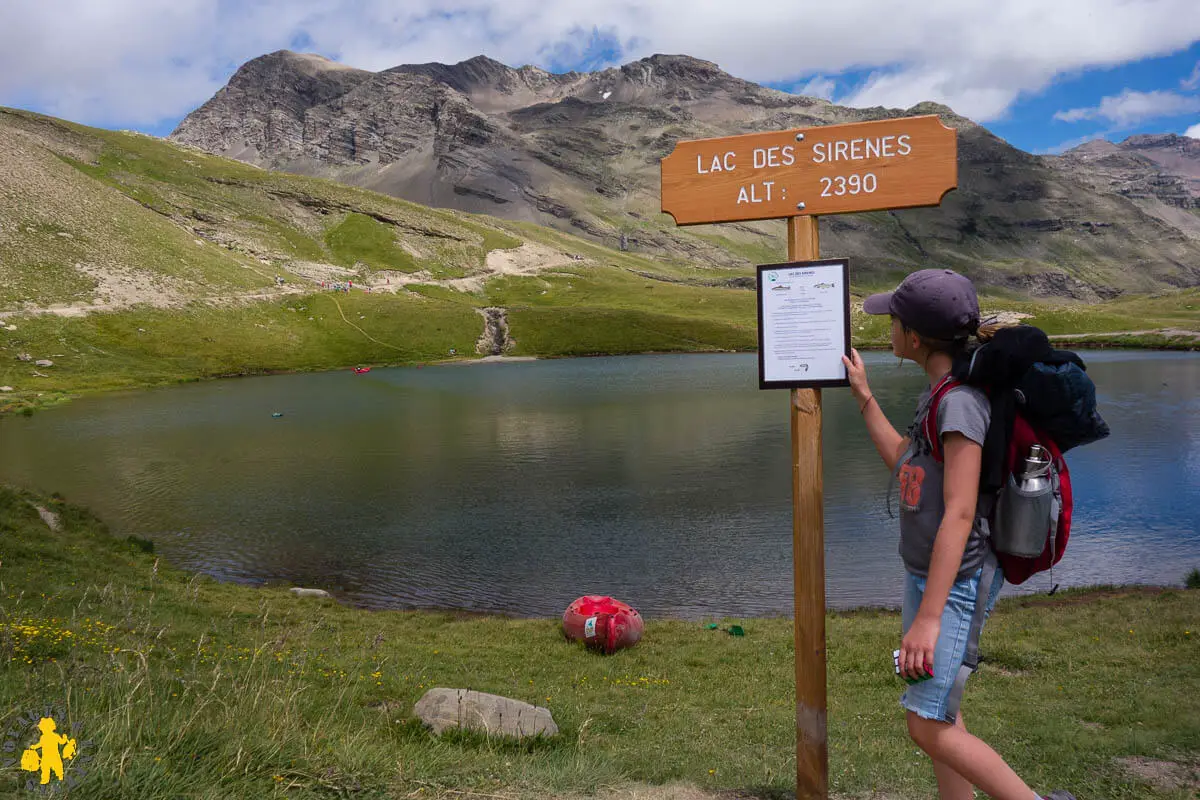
<point x="973" y="99"/>
<point x="1193" y="132"/>
<point x="1193" y="80"/>
<point x="1076" y="114"/>
<point x="1130" y="108"/>
<point x="133" y="62"/>
<point x="819" y="86"/>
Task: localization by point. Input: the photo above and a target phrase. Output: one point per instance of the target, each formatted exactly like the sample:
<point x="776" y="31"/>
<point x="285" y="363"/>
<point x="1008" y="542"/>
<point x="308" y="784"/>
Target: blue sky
<point x="1043" y="76"/>
<point x="1030" y="122"/>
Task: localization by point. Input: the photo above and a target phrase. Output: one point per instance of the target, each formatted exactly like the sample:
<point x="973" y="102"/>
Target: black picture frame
<point x="823" y="383"/>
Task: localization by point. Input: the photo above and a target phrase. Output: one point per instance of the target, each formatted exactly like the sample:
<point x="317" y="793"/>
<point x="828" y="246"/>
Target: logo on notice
<point x="56" y="759"/>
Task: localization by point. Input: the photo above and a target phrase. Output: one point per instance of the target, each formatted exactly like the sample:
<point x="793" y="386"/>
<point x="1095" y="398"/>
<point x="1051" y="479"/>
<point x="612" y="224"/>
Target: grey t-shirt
<point x="922" y="504"/>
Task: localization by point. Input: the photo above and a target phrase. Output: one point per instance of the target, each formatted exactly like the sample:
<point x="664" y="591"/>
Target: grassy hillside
<point x="185" y="687"/>
<point x="134" y="204"/>
<point x="159" y="265"/>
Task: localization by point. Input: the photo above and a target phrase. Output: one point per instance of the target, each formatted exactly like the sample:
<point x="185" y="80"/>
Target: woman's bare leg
<point x="951" y="785"/>
<point x="970" y="757"/>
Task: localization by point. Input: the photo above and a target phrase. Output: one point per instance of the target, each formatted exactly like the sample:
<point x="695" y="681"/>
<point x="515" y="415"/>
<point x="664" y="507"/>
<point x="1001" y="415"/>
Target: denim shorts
<point x="931" y="698"/>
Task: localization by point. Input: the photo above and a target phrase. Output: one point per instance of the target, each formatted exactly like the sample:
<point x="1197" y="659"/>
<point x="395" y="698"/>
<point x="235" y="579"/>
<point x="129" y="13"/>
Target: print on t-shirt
<point x="911" y="479"/>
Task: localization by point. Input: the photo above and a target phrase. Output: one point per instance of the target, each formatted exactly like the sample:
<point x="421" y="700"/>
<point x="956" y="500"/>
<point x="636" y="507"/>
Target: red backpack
<point x="1019" y="566"/>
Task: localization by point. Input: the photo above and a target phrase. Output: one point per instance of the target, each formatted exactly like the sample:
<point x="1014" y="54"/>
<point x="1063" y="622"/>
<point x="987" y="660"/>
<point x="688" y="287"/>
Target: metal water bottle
<point x="1035" y="476"/>
<point x="1025" y="513"/>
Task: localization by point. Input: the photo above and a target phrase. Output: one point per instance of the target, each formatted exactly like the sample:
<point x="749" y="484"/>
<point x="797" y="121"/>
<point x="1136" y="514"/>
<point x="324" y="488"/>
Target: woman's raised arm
<point x="890" y="444"/>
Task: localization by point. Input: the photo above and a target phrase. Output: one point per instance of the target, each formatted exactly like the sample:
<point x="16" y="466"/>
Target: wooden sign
<point x="799" y="175"/>
<point x="832" y="169"/>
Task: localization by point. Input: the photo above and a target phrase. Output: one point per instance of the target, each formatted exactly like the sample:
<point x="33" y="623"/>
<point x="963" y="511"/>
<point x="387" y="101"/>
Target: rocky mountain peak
<point x="678" y="67"/>
<point x="1163" y="166"/>
<point x="479" y="72"/>
<point x="581" y="151"/>
<point x="277" y="86"/>
<point x="1096" y="148"/>
<point x="281" y="63"/>
<point x="1178" y="161"/>
<point x="947" y="114"/>
<point x="491" y="85"/>
<point x="1155" y="141"/>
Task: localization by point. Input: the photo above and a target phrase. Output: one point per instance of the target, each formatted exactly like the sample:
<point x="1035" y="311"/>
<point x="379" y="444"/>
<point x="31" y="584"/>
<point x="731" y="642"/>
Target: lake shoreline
<point x="1072" y="594"/>
<point x="23" y="402"/>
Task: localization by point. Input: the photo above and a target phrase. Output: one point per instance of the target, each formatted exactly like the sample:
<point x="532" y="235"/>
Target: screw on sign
<point x="800" y="174"/>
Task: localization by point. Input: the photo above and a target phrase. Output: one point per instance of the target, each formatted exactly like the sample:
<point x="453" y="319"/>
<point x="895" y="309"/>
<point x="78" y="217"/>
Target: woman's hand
<point x="918" y="646"/>
<point x="857" y="372"/>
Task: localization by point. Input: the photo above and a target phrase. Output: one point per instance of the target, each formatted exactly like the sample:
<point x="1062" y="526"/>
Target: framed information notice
<point x="803" y="324"/>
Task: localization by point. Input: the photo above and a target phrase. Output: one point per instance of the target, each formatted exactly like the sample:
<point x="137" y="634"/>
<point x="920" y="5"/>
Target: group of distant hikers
<point x="984" y="497"/>
<point x="341" y="286"/>
<point x="332" y="286"/>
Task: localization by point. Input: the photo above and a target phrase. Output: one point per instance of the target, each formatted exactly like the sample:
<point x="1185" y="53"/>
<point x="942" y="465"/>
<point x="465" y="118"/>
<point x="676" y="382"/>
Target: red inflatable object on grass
<point x="602" y="623"/>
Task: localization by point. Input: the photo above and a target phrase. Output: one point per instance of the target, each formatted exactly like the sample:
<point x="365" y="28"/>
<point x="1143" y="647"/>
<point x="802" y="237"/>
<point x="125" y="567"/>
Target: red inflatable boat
<point x="602" y="623"/>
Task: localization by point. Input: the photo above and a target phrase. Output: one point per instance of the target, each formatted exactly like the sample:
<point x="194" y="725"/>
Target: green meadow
<point x="185" y="687"/>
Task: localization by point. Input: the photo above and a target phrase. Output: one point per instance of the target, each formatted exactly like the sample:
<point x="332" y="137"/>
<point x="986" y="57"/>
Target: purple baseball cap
<point x="938" y="303"/>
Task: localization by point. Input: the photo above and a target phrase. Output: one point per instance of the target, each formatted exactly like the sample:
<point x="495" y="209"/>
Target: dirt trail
<point x="153" y="300"/>
<point x="122" y="289"/>
<point x="1180" y="332"/>
<point x="530" y="258"/>
<point x="360" y="330"/>
<point x="117" y="289"/>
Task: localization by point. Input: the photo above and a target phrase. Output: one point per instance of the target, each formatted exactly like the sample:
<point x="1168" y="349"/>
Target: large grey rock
<point x="490" y="713"/>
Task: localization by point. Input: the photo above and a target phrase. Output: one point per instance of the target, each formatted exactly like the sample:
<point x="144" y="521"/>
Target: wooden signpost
<point x="799" y="175"/>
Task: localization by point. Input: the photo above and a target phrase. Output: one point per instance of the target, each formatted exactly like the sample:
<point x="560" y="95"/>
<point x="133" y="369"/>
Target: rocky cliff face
<point x="1178" y="158"/>
<point x="581" y="151"/>
<point x="1165" y="167"/>
<point x="1159" y="174"/>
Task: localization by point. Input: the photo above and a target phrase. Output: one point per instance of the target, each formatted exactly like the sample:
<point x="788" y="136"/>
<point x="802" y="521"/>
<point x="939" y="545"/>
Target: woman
<point x="951" y="579"/>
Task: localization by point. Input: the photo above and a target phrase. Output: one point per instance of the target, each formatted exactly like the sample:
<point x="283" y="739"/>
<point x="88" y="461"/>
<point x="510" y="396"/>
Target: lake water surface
<point x="515" y="487"/>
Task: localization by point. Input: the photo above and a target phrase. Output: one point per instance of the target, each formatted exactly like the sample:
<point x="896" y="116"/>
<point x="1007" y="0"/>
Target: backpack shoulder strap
<point x="930" y="425"/>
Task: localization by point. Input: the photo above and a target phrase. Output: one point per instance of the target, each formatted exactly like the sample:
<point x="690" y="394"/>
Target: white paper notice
<point x="804" y="323"/>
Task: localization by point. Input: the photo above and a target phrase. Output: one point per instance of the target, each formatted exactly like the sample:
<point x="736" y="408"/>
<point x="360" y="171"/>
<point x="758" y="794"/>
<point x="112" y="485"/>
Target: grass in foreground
<point x="187" y="687"/>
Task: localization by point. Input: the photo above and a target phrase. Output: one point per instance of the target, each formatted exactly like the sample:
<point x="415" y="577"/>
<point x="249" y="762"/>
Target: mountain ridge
<point x="580" y="152"/>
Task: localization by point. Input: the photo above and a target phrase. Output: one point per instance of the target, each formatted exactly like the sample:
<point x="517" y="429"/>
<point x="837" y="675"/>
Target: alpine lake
<point x="662" y="480"/>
